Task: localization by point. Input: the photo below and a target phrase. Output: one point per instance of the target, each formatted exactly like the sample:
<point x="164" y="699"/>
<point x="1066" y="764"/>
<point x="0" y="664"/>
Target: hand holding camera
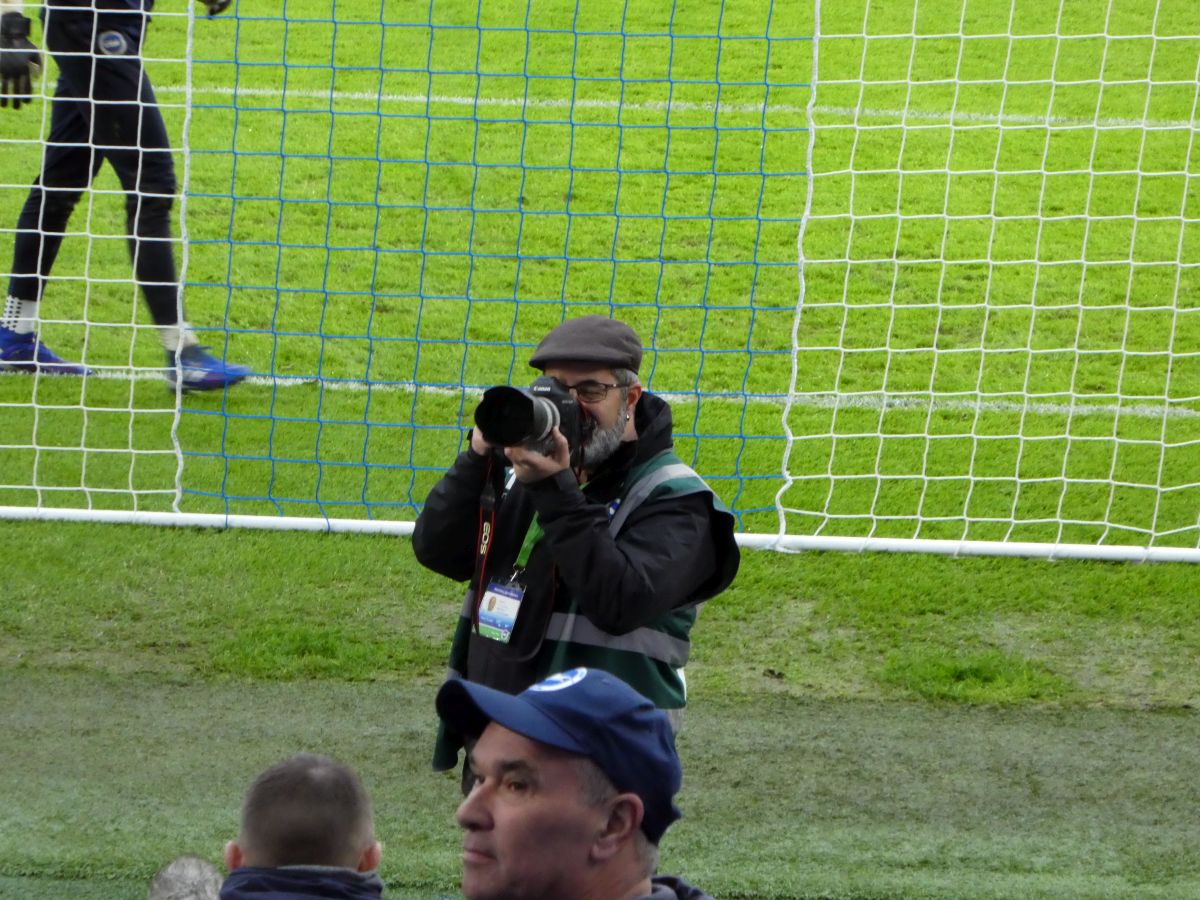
<point x="479" y="445"/>
<point x="533" y="465"/>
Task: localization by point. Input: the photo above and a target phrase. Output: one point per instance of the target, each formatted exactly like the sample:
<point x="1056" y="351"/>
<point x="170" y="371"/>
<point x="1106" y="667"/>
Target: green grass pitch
<point x="859" y="725"/>
<point x="383" y="218"/>
<point x="366" y="213"/>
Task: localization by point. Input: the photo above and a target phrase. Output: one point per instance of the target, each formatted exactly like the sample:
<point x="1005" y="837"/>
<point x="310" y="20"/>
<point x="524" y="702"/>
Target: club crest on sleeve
<point x="113" y="43"/>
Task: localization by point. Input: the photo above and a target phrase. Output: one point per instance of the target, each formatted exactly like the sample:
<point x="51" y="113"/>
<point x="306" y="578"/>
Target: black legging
<point x="103" y="109"/>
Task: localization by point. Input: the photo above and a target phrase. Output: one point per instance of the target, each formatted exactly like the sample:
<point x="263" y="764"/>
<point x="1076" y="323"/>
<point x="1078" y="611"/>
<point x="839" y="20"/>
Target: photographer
<point x="592" y="555"/>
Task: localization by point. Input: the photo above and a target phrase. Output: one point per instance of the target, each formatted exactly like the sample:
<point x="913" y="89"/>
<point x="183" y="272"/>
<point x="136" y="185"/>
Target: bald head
<point x="308" y="810"/>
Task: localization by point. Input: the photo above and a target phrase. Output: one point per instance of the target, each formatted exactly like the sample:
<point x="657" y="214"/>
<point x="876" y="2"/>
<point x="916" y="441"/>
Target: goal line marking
<point x="936" y="116"/>
<point x="873" y="400"/>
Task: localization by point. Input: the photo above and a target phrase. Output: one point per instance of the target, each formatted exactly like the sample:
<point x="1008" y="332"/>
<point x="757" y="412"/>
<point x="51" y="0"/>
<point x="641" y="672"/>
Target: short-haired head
<point x="308" y="810"/>
<point x="598" y="789"/>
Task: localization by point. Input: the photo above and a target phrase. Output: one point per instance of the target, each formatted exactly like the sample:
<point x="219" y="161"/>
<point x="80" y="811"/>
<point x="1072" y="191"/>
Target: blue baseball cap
<point x="588" y="712"/>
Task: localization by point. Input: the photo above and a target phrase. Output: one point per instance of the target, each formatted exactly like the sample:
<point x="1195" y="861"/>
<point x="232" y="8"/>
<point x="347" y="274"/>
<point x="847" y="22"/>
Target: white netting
<point x="999" y="329"/>
<point x="106" y="441"/>
<point x="386" y="206"/>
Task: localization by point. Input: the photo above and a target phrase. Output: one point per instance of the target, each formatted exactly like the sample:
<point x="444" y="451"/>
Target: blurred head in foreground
<point x="574" y="785"/>
<point x="307" y="831"/>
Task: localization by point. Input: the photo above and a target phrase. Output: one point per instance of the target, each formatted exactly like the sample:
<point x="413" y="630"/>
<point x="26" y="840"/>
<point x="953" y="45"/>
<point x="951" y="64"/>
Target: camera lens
<point x="507" y="417"/>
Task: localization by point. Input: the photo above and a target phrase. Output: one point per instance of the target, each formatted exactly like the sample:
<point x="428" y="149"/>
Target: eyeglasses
<point x="591" y="391"/>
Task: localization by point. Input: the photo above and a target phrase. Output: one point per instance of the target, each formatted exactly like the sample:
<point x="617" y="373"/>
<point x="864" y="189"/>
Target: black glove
<point x="19" y="59"/>
<point x="216" y="6"/>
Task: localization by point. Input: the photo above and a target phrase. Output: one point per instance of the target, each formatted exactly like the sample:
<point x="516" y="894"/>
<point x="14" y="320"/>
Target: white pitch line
<point x="813" y="401"/>
<point x="877" y="401"/>
<point x="978" y="118"/>
<point x="503" y="102"/>
<point x="901" y="115"/>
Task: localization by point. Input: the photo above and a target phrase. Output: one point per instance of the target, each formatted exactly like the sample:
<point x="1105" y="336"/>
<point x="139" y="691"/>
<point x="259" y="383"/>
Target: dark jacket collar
<point x="301" y="883"/>
<point x="652" y="419"/>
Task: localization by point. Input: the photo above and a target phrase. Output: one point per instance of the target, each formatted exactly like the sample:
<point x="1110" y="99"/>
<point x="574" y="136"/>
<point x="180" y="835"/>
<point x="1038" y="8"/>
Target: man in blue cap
<point x="573" y="787"/>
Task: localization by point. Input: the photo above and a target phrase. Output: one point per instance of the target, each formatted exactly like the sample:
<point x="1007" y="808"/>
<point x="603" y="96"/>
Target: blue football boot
<point x="25" y="353"/>
<point x="198" y="370"/>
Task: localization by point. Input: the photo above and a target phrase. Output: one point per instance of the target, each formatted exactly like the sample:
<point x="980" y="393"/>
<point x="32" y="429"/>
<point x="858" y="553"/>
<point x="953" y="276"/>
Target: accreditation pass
<point x="498" y="611"/>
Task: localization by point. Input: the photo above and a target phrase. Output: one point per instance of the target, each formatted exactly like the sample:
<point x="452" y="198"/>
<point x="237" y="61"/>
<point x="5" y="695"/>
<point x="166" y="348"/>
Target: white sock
<point x="20" y="315"/>
<point x="175" y="337"/>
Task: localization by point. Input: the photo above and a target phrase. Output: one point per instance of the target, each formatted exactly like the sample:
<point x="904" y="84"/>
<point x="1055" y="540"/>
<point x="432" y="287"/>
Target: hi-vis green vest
<point x="650" y="658"/>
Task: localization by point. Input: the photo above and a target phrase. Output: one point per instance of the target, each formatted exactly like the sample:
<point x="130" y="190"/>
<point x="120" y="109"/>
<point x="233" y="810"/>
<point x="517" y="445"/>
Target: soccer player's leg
<point x="147" y="174"/>
<point x="68" y="166"/>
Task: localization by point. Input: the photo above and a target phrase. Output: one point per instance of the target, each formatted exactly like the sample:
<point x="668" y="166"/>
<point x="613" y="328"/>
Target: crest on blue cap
<point x="561" y="680"/>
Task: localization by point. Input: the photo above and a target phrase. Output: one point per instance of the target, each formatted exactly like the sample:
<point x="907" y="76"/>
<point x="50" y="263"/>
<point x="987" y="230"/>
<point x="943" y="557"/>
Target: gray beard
<point x="602" y="445"/>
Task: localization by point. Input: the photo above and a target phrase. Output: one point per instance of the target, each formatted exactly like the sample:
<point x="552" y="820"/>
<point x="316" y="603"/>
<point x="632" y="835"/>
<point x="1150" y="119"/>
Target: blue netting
<point x="389" y="206"/>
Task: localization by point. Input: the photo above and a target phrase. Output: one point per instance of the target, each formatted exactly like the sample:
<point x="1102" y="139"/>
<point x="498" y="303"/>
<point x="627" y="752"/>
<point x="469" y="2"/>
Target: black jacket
<point x="103" y="5"/>
<point x="85" y="20"/>
<point x="669" y="554"/>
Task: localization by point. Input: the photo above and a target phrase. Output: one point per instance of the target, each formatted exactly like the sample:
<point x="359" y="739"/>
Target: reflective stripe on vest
<point x="650" y="642"/>
<point x="645" y="487"/>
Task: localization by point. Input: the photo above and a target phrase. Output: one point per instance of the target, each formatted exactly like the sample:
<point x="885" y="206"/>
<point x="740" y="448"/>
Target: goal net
<point x="998" y="336"/>
<point x="906" y="273"/>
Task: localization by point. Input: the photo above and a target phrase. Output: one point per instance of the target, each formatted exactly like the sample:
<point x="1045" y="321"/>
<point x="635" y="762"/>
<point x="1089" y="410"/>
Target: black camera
<point x="525" y="417"/>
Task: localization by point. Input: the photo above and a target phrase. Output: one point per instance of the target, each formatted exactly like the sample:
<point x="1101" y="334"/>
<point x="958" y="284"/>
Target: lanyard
<point x="532" y="536"/>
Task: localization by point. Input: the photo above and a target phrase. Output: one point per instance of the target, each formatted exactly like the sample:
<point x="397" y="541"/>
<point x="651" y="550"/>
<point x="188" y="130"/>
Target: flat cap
<point x="590" y="339"/>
